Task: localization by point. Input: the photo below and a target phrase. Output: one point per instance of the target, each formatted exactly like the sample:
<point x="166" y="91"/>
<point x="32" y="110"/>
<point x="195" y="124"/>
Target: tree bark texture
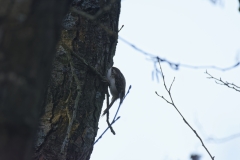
<point x="29" y="32"/>
<point x="75" y="94"/>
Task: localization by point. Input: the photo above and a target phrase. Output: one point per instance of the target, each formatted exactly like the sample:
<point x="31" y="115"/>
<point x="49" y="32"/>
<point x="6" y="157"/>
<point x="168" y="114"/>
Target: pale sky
<point x="193" y="32"/>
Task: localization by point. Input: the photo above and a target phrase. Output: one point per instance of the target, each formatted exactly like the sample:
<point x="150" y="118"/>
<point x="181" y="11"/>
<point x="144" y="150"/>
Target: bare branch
<point x="224" y="139"/>
<point x="221" y="82"/>
<point x="69" y="52"/>
<point x="172" y="103"/>
<point x="106" y="130"/>
<point x="107" y="117"/>
<point x="163" y="98"/>
<point x="214" y="139"/>
<point x="171" y="84"/>
<point x="113" y="121"/>
<point x="110" y="125"/>
<point x="220" y="2"/>
<point x="174" y="65"/>
<point x="122" y="101"/>
<point x="120" y="28"/>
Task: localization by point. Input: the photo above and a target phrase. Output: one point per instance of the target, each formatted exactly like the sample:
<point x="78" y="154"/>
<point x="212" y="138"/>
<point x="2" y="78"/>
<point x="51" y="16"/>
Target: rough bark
<point x="29" y="32"/>
<point x="75" y="94"/>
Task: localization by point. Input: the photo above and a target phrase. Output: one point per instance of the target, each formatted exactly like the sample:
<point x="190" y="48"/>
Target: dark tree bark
<point x="29" y="32"/>
<point x="75" y="94"/>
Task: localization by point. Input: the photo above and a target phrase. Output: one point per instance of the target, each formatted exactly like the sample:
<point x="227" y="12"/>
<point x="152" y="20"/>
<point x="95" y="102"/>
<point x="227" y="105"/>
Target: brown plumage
<point x="117" y="84"/>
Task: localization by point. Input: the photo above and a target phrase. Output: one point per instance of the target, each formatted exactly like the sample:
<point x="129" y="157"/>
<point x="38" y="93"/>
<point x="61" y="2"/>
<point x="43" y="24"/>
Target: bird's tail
<point x="107" y="109"/>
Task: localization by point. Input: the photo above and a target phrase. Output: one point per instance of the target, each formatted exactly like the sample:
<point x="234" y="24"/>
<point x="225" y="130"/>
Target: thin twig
<point x="225" y="139"/>
<point x="110" y="125"/>
<point x="106" y="130"/>
<point x="214" y="139"/>
<point x="173" y="65"/>
<point x="221" y="82"/>
<point x="122" y="102"/>
<point x="120" y="28"/>
<point x="107" y="117"/>
<point x="171" y="84"/>
<point x="172" y="103"/>
<point x="114" y="120"/>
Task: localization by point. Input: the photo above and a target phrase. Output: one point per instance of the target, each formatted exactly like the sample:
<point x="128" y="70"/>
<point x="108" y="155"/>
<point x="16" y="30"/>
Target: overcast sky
<point x="193" y="32"/>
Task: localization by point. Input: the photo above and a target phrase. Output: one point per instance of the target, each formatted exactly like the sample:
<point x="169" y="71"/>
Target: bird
<point x="117" y="85"/>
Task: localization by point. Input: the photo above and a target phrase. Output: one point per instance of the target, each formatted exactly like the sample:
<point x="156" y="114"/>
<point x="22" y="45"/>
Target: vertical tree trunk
<point x="29" y="32"/>
<point x="75" y="94"/>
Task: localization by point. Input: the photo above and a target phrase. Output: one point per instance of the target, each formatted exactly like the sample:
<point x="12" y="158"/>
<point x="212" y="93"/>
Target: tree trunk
<point x="76" y="92"/>
<point x="29" y="32"/>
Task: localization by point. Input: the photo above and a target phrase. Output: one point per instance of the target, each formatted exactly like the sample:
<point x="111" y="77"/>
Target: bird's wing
<point x="119" y="82"/>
